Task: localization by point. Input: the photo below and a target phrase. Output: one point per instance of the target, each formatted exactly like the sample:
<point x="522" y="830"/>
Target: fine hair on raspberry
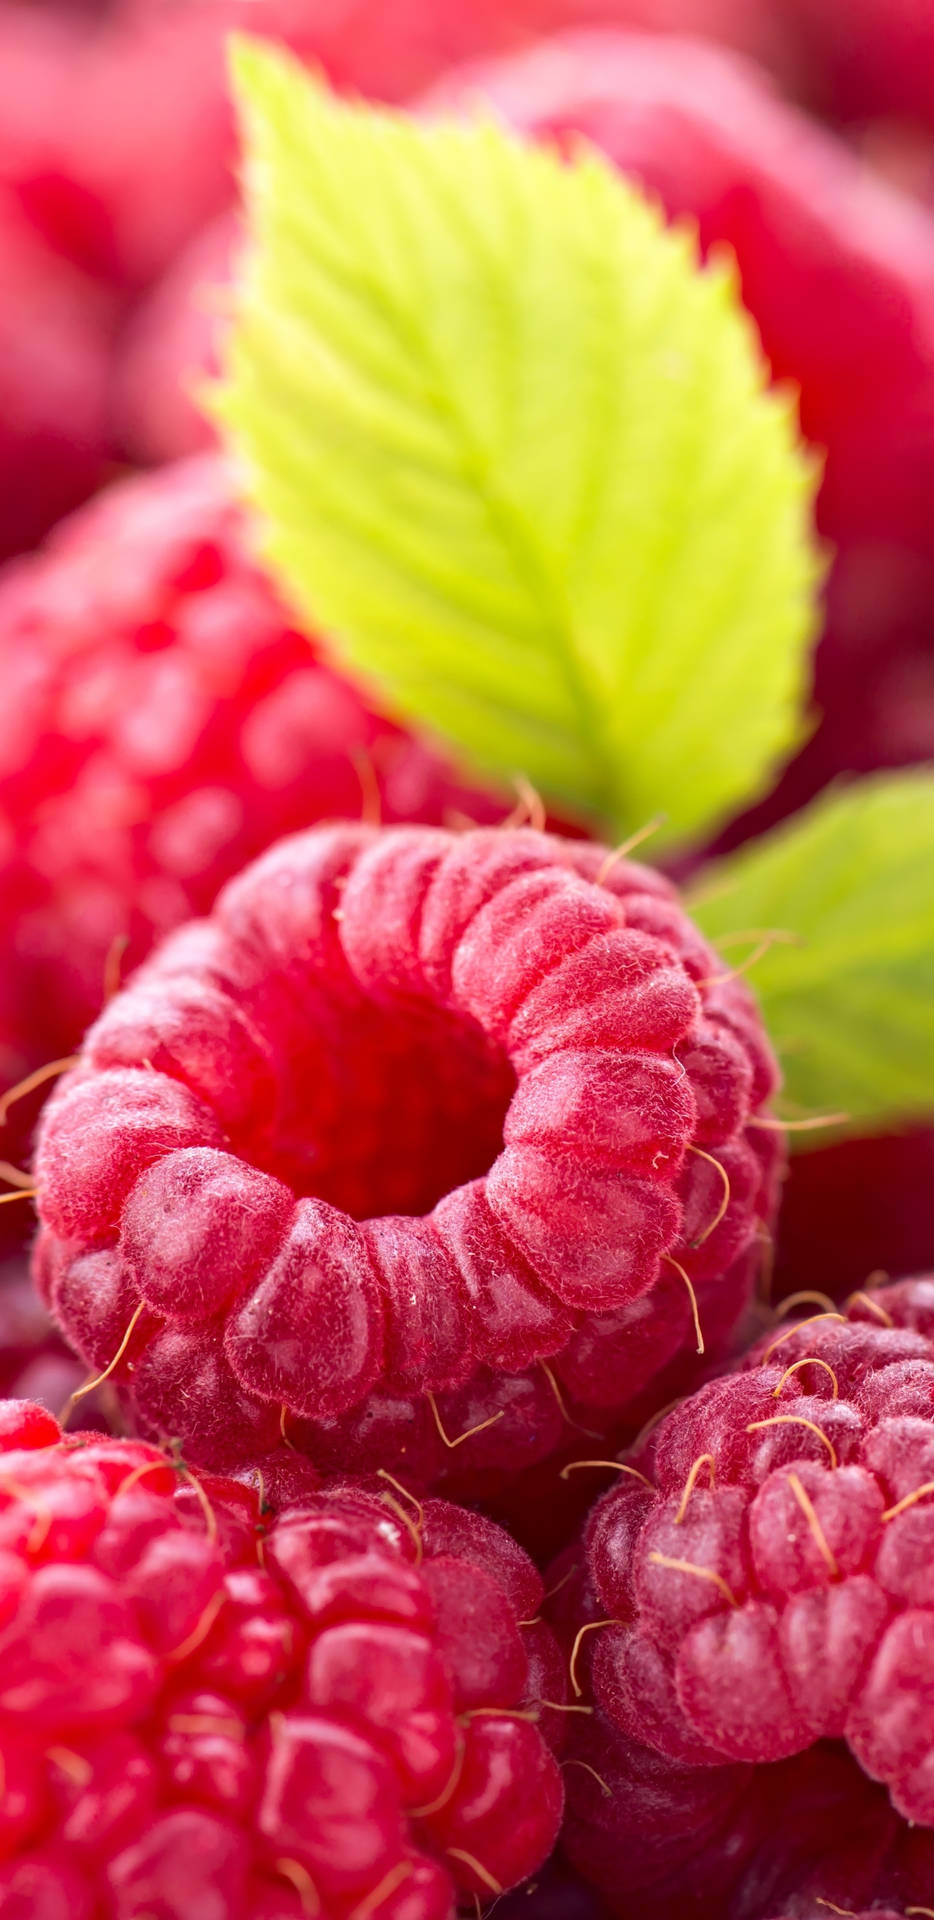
<point x="762" y="1576"/>
<point x="209" y="1709"/>
<point x="413" y="1114"/>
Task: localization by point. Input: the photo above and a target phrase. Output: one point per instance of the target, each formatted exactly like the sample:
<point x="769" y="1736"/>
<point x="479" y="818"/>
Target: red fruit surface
<point x="838" y="272"/>
<point x="791" y="1841"/>
<point x="54" y="357"/>
<point x="412" y="1113"/>
<point x="117" y="133"/>
<point x="765" y="1585"/>
<point x="171" y="346"/>
<point x="554" y="1894"/>
<point x="869" y="60"/>
<point x="163" y="721"/>
<point x="856" y="1209"/>
<point x="206" y="1710"/>
<point x="806" y="1908"/>
<point x="35" y="1364"/>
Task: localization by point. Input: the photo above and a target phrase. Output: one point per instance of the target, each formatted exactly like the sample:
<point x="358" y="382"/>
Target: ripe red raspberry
<point x="856" y="1209"/>
<point x="118" y="135"/>
<point x="172" y="346"/>
<point x="555" y="1894"/>
<point x="163" y="721"/>
<point x="804" y="1908"/>
<point x="766" y="1571"/>
<point x="791" y="1841"/>
<point x="412" y="1112"/>
<point x="870" y="60"/>
<point x="343" y="1711"/>
<point x="54" y="352"/>
<point x="35" y="1364"/>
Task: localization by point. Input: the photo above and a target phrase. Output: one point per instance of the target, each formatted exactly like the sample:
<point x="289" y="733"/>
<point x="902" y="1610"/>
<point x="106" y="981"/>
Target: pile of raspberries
<point x="414" y="1504"/>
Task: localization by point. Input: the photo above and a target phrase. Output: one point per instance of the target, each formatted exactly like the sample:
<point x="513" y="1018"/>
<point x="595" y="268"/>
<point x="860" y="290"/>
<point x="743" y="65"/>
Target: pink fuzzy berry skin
<point x="55" y="344"/>
<point x="856" y="1209"/>
<point x="172" y="345"/>
<point x="118" y="135"/>
<point x="789" y="1841"/>
<point x="164" y="721"/>
<point x="765" y="1576"/>
<point x="35" y="1363"/>
<point x="411" y="1114"/>
<point x="872" y="60"/>
<point x="207" y="1710"/>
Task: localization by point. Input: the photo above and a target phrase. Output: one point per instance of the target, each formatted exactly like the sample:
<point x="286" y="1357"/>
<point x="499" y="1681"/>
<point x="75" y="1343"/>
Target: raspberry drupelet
<point x="344" y="1710"/>
<point x="763" y="1579"/>
<point x="163" y="721"/>
<point x="477" y="1116"/>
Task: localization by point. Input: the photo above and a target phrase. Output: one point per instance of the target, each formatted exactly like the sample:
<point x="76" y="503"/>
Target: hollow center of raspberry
<point x="389" y="1109"/>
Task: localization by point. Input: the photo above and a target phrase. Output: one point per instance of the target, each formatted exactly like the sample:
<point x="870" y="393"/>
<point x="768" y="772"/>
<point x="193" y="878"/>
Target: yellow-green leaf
<point x="515" y="452"/>
<point x="849" y="998"/>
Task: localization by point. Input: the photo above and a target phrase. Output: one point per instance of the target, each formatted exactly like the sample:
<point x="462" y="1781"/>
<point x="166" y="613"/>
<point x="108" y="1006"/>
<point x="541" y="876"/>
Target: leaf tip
<point x="250" y="62"/>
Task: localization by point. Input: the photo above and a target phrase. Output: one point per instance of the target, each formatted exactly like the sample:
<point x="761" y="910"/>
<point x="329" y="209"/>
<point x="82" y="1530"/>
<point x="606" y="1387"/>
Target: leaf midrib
<point x="515" y="536"/>
<point x="526" y="556"/>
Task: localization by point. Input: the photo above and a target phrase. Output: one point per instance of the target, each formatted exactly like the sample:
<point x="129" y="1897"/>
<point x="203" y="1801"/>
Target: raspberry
<point x="163" y="722"/>
<point x="171" y="346"/>
<point x="836" y="269"/>
<point x="412" y="1112"/>
<point x="870" y="59"/>
<point x="555" y="1894"/>
<point x="35" y="1364"/>
<point x="118" y="136"/>
<point x="854" y="1209"/>
<point x="807" y="1909"/>
<point x="205" y="1710"/>
<point x="838" y="272"/>
<point x="790" y="1841"/>
<point x="767" y="1579"/>
<point x="54" y="351"/>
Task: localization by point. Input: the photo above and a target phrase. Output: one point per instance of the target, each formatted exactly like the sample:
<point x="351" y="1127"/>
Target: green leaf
<point x="515" y="453"/>
<point x="851" y="1009"/>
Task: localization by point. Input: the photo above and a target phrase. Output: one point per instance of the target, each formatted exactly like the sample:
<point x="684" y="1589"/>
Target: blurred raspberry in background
<point x="117" y="144"/>
<point x="55" y="338"/>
